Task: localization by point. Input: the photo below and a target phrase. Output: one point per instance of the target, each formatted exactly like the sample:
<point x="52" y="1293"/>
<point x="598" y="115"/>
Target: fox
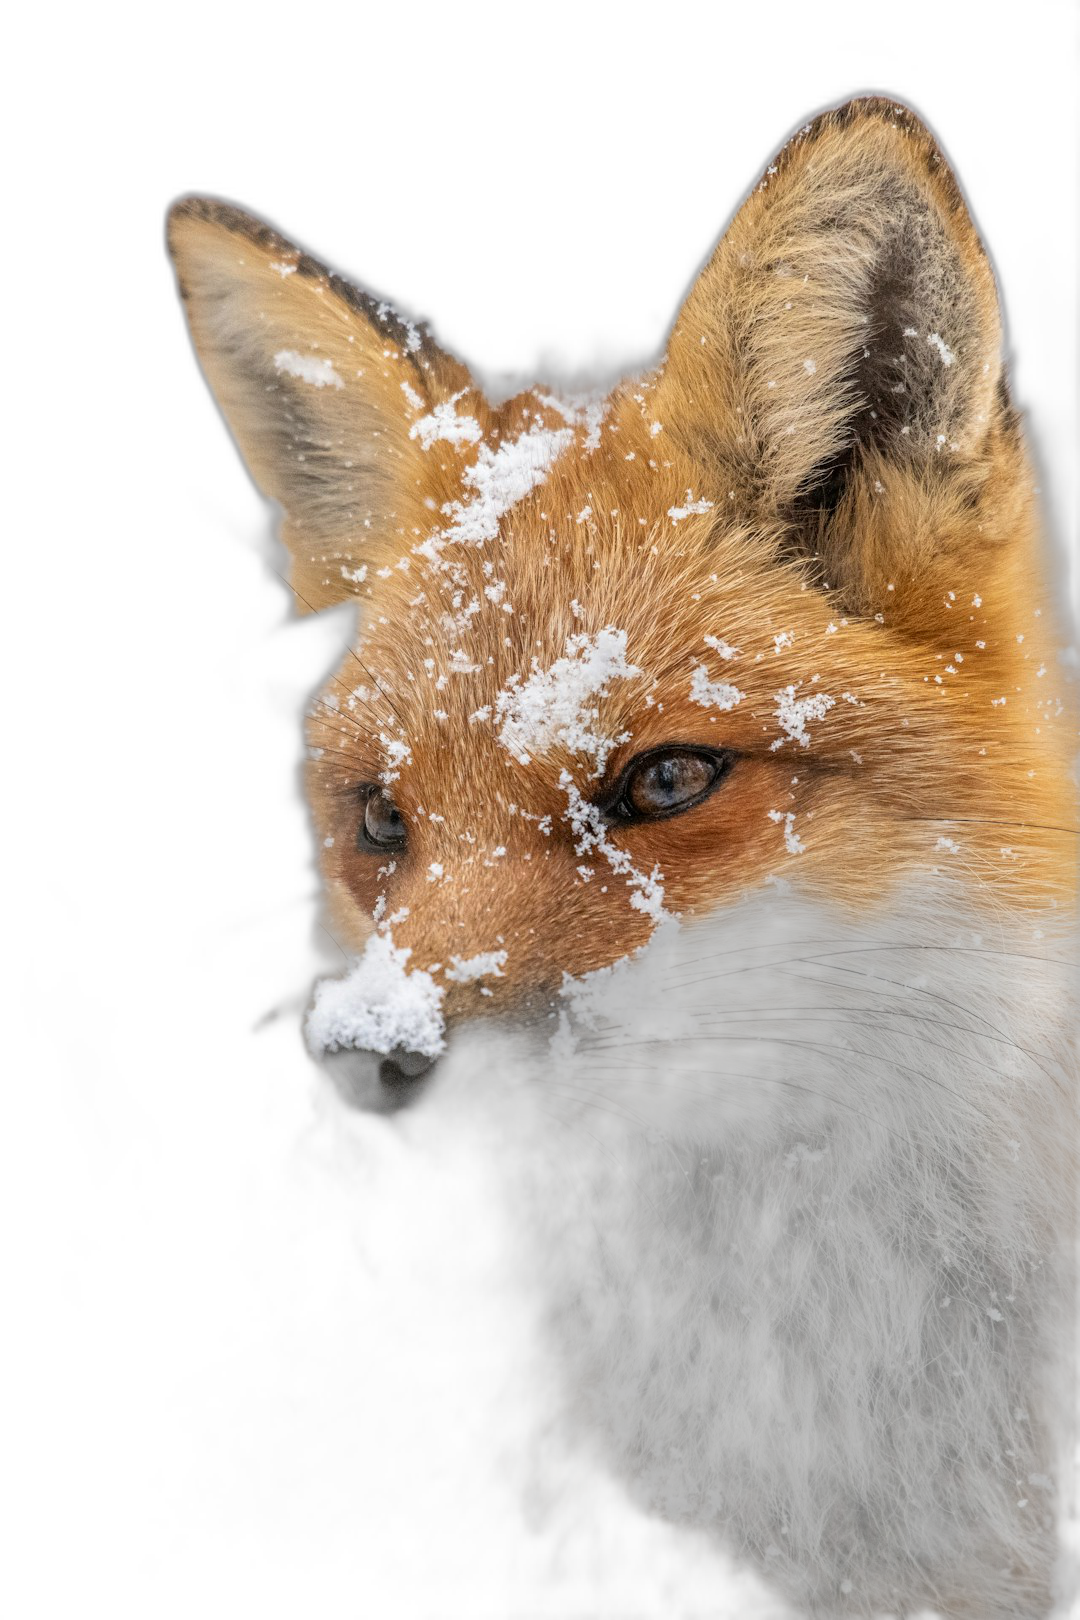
<point x="704" y="750"/>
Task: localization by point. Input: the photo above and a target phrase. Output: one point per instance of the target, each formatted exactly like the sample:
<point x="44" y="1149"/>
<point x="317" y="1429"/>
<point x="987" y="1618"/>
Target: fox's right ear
<point x="321" y="386"/>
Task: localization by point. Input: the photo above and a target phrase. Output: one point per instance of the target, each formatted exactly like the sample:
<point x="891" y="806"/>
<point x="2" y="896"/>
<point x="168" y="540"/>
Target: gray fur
<point x="814" y="1287"/>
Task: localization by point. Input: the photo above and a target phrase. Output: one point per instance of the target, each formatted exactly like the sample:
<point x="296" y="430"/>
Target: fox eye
<point x="666" y="781"/>
<point x="381" y="826"/>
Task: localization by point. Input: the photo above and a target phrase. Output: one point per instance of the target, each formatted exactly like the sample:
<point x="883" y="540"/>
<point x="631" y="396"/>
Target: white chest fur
<point x="807" y="1258"/>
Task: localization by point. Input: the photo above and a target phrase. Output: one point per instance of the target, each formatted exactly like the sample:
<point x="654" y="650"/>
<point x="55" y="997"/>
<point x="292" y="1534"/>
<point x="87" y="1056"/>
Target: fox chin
<point x="709" y="745"/>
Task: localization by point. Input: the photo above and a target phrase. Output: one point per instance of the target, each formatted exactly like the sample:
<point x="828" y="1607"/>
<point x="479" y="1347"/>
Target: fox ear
<point x="845" y="329"/>
<point x="320" y="385"/>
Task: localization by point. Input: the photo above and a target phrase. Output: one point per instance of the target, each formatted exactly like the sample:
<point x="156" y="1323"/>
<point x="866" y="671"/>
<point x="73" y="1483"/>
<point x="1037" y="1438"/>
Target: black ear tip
<point x="191" y="207"/>
<point x="226" y="217"/>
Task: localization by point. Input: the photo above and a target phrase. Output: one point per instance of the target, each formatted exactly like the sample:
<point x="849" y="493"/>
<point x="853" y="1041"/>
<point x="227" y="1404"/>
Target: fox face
<point x="756" y="650"/>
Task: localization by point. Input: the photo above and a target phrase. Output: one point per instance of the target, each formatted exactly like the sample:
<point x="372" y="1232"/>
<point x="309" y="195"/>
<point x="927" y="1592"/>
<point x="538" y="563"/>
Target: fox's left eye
<point x="666" y="781"/>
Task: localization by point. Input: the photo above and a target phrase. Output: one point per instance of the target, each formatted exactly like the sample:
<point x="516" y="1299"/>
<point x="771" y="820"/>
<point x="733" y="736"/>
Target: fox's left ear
<point x="844" y="343"/>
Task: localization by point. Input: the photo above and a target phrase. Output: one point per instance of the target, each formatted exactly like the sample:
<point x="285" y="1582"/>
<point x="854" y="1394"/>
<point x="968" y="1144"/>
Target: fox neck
<point x="829" y="1320"/>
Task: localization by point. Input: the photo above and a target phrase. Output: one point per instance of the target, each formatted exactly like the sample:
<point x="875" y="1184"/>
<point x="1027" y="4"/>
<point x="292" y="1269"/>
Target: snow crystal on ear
<point x="445" y="423"/>
<point x="378" y="1006"/>
<point x="560" y="704"/>
<point x="580" y="410"/>
<point x="692" y="507"/>
<point x="309" y="368"/>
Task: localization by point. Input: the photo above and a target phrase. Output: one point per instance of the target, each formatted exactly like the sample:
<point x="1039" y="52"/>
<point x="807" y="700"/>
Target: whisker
<point x="754" y="1079"/>
<point x="997" y="821"/>
<point x="616" y="1108"/>
<point x="340" y="715"/>
<point x="947" y="1001"/>
<point x="962" y="1029"/>
<point x="814" y="1014"/>
<point x="738" y="950"/>
<point x="625" y="1112"/>
<point x="860" y="949"/>
<point x="374" y="679"/>
<point x="822" y="1048"/>
<point x="336" y="753"/>
<point x="334" y="941"/>
<point x="350" y="692"/>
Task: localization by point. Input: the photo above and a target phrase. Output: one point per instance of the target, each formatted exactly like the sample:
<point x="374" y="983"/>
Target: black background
<point x="264" y="1353"/>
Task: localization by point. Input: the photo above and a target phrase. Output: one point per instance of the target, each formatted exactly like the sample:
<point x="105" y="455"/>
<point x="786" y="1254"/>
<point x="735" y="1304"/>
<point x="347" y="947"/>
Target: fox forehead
<point x="720" y="638"/>
<point x="604" y="582"/>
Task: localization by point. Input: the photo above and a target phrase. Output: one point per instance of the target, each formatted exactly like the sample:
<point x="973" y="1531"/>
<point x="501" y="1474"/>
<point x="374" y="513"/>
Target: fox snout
<point x="377" y="1082"/>
<point x="380" y="1026"/>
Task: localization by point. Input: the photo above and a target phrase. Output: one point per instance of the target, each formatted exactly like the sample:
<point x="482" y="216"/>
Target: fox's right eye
<point x="381" y="826"/>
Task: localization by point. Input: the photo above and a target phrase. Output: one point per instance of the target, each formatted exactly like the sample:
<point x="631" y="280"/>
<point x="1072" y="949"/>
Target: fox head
<point x="771" y="614"/>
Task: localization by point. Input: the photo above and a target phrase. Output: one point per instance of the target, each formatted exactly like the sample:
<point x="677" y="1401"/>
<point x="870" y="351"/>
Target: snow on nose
<point x="378" y="1006"/>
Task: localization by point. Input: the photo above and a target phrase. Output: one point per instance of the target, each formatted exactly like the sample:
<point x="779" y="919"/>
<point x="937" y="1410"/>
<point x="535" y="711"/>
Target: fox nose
<point x="381" y="1082"/>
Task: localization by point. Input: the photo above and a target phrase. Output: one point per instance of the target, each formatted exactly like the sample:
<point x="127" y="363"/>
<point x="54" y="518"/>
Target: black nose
<point x="381" y="1082"/>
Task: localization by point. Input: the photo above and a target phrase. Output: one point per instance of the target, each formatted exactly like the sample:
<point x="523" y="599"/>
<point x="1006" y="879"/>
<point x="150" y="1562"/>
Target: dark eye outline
<point x="365" y="843"/>
<point x="616" y="803"/>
